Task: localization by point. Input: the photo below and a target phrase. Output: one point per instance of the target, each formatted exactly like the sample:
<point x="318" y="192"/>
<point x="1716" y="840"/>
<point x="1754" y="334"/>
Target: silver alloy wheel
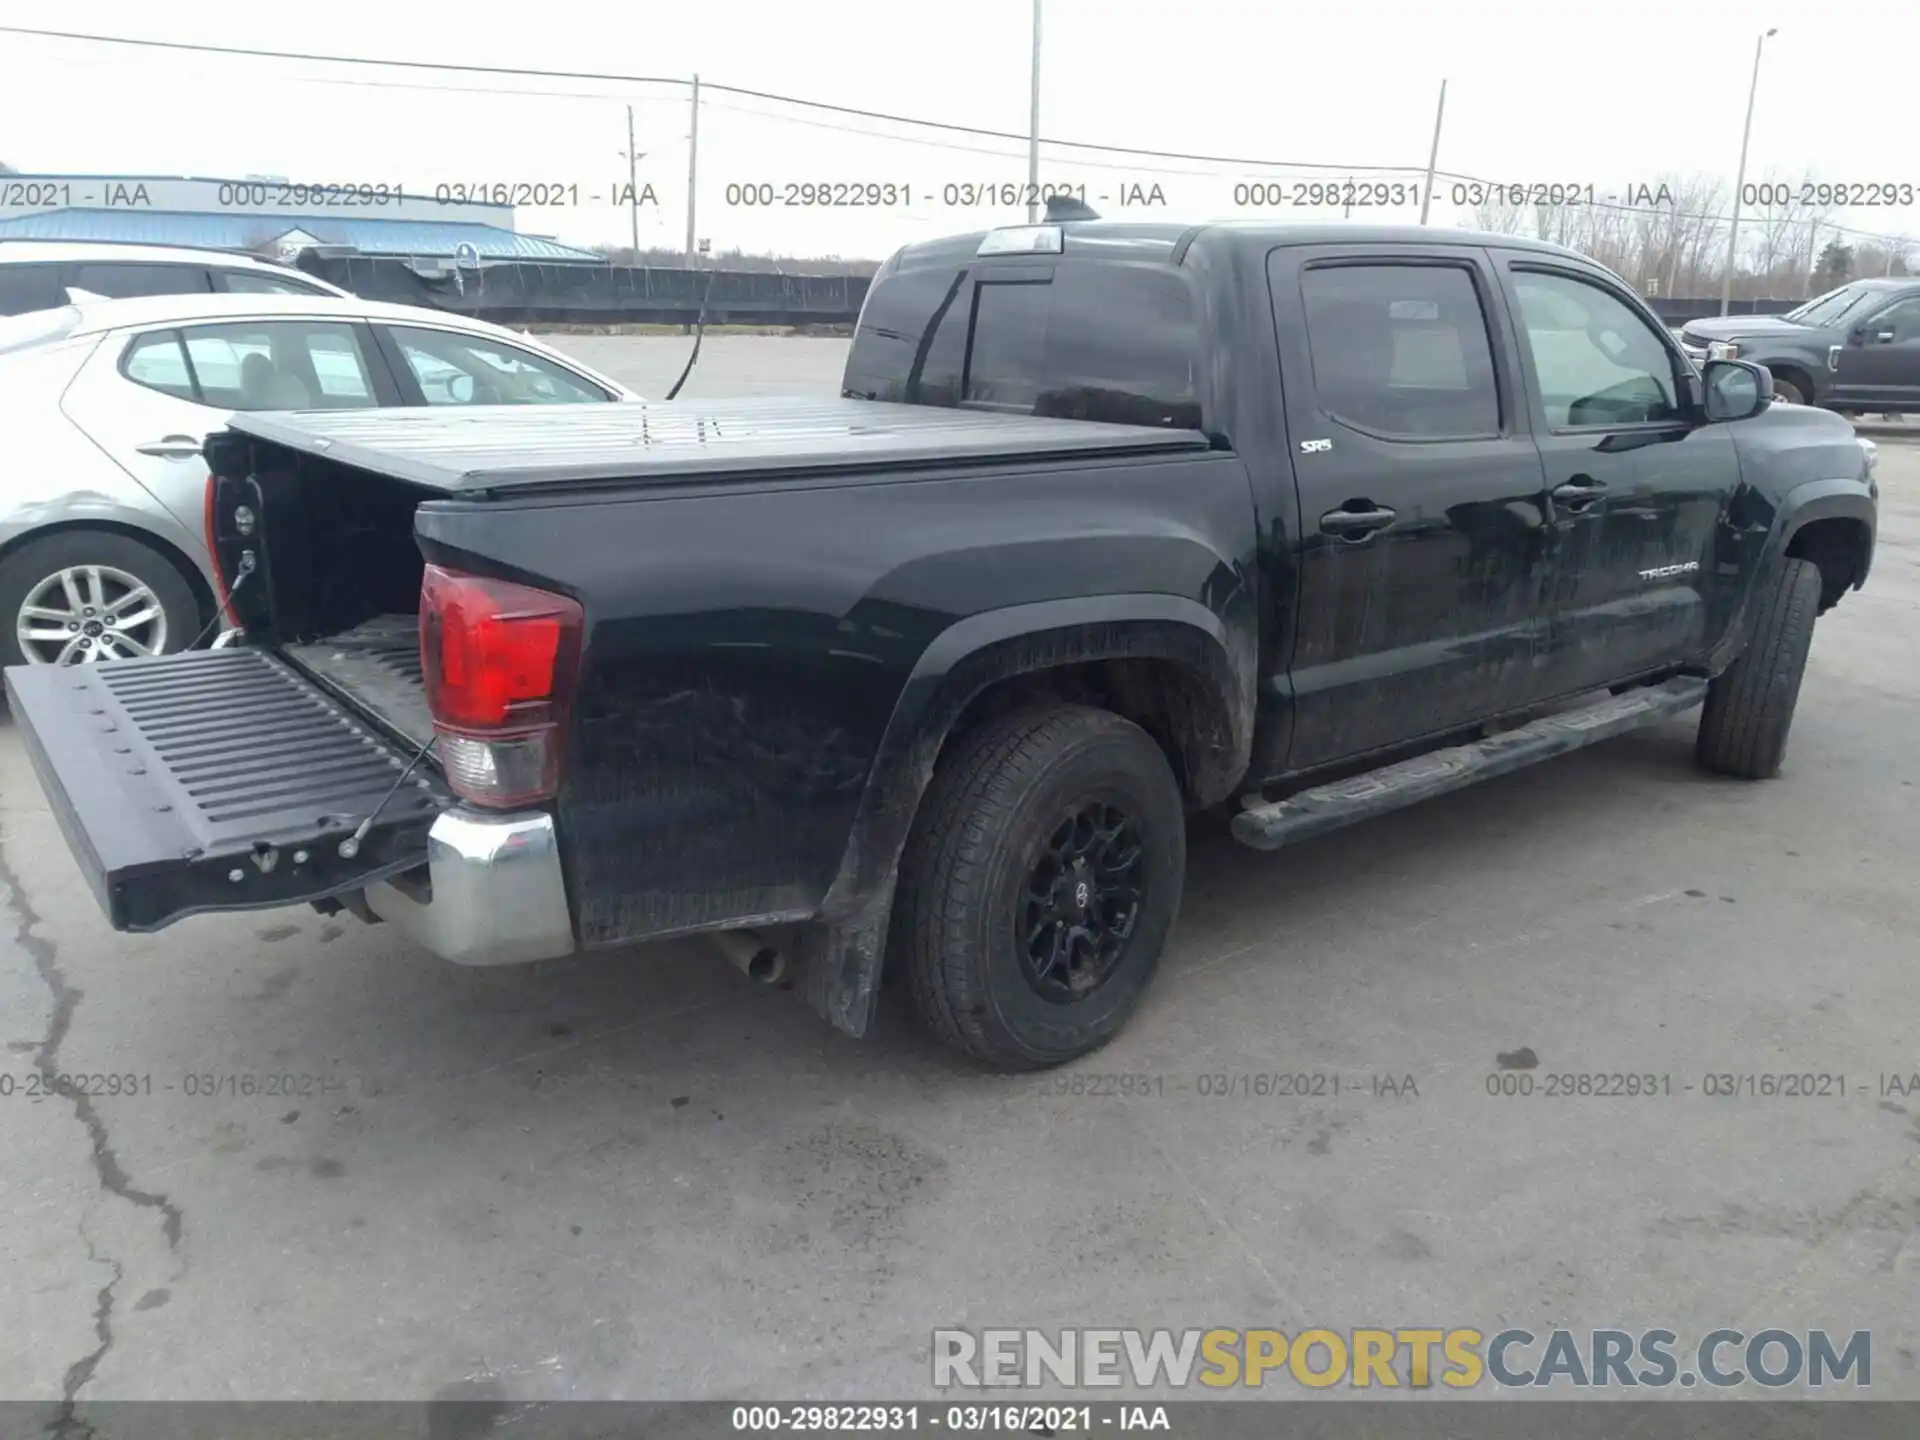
<point x="88" y="613"/>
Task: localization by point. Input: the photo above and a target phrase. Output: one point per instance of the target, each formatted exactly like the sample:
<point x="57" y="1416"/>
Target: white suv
<point x="38" y="274"/>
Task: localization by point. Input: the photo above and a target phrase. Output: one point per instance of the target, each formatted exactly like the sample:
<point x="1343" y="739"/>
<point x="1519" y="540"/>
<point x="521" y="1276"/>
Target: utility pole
<point x="693" y="167"/>
<point x="1033" y="127"/>
<point x="633" y="186"/>
<point x="1433" y="155"/>
<point x="1740" y="179"/>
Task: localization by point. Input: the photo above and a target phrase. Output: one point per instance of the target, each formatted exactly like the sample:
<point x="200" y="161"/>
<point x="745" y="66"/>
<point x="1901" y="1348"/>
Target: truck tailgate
<point x="216" y="780"/>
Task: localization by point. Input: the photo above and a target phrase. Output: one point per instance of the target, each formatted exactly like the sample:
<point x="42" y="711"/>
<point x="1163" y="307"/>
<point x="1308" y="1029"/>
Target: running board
<point x="1360" y="797"/>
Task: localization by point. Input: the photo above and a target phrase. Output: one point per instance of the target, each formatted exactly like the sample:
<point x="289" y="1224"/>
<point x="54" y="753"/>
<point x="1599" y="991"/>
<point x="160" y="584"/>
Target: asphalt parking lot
<point x="639" y="1177"/>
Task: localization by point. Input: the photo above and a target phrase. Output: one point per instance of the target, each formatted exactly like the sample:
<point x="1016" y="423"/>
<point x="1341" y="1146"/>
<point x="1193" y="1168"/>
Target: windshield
<point x="1829" y="308"/>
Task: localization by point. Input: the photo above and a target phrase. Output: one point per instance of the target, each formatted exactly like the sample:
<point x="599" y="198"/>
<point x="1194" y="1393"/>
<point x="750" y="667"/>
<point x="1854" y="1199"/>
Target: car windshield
<point x="1829" y="308"/>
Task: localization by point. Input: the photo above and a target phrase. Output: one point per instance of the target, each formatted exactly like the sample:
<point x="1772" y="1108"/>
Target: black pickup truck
<point x="1112" y="524"/>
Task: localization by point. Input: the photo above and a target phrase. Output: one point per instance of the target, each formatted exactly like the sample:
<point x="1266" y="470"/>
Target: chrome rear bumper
<point x="497" y="894"/>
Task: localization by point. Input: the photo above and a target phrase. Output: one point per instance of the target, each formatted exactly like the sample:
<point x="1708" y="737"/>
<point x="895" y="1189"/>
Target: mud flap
<point x="216" y="780"/>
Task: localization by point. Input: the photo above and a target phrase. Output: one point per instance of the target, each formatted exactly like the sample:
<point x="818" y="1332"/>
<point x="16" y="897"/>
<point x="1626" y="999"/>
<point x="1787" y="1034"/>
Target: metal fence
<point x="523" y="294"/>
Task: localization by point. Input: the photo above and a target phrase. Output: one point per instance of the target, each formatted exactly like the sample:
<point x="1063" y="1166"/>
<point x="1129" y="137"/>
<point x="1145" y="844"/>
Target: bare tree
<point x="1500" y="216"/>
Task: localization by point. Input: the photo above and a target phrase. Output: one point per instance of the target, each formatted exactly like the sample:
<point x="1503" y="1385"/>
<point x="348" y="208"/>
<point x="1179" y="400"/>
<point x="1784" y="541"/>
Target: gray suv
<point x="1855" y="349"/>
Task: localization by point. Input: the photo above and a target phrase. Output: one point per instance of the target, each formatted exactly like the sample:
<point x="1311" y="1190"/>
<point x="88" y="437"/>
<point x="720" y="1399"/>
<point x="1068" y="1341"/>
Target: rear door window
<point x="279" y="365"/>
<point x="1401" y="351"/>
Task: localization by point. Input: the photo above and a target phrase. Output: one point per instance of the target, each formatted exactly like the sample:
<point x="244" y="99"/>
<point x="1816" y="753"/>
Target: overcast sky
<point x="1607" y="95"/>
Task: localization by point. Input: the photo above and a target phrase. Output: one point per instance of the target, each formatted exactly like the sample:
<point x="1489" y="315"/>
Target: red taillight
<point x="500" y="661"/>
<point x="221" y="595"/>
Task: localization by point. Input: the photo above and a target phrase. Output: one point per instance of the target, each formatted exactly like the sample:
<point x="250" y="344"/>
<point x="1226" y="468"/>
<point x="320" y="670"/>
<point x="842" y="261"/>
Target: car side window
<point x="1597" y="361"/>
<point x="252" y="282"/>
<point x="157" y="362"/>
<point x="1901" y="320"/>
<point x="1401" y="350"/>
<point x="124" y="281"/>
<point x="454" y="369"/>
<point x="279" y="365"/>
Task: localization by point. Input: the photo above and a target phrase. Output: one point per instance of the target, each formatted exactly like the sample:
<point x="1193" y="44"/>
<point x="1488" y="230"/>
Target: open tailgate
<point x="216" y="780"/>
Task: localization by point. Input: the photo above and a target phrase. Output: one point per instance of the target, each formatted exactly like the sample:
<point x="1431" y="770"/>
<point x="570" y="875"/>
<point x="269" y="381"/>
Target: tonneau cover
<point x="482" y="447"/>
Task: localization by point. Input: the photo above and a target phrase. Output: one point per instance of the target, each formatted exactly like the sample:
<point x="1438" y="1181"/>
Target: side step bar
<point x="1360" y="797"/>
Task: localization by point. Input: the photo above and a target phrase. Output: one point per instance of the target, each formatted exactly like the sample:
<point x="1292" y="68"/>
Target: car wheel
<point x="85" y="596"/>
<point x="1789" y="391"/>
<point x="1749" y="709"/>
<point x="1042" y="876"/>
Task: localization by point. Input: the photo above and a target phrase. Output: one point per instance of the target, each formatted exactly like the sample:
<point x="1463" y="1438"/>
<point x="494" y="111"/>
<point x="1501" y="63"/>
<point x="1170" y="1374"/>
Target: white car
<point x="45" y="274"/>
<point x="102" y="485"/>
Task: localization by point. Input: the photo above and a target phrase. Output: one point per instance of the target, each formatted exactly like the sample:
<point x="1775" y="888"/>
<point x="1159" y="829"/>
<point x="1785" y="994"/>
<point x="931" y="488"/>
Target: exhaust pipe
<point x="753" y="955"/>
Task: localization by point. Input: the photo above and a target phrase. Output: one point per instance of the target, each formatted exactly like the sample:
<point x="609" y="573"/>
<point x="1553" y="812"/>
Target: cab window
<point x="1597" y="362"/>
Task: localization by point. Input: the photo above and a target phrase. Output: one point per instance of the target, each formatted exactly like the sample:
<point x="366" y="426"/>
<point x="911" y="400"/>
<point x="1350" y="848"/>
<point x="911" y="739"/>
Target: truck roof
<point x="1166" y="240"/>
<point x="474" y="448"/>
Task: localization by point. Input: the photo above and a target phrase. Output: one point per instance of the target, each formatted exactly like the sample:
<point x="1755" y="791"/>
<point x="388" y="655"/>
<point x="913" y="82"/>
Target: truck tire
<point x="1749" y="709"/>
<point x="1792" y="388"/>
<point x="1040" y="880"/>
<point x="109" y="573"/>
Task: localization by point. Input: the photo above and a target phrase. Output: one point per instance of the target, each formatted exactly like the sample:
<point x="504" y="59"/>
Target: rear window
<point x="1088" y="341"/>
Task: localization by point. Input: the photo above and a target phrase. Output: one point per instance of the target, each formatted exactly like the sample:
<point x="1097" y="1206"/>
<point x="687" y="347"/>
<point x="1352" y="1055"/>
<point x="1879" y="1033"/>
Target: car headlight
<point x="1723" y="350"/>
<point x="1872" y="452"/>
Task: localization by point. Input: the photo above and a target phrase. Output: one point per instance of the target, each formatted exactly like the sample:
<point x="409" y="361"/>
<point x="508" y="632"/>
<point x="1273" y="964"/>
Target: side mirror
<point x="1736" y="389"/>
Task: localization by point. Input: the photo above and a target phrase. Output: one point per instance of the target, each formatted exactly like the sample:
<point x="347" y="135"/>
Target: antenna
<point x="1064" y="207"/>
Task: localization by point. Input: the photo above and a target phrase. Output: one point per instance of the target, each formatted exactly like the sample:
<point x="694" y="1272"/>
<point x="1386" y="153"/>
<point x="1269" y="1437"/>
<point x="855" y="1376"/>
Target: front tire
<point x="1039" y="884"/>
<point x="1749" y="709"/>
<point x="1790" y="389"/>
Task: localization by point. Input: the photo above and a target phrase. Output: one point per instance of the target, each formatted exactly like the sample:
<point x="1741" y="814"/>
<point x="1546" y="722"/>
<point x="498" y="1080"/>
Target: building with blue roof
<point x="270" y="216"/>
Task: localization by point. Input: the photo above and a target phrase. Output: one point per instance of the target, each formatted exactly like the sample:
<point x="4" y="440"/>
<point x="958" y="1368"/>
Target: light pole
<point x="1740" y="179"/>
<point x="1433" y="155"/>
<point x="1033" y="127"/>
<point x="633" y="185"/>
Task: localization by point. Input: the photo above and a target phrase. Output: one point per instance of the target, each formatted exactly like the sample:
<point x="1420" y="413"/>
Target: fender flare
<point x="1841" y="498"/>
<point x="843" y="950"/>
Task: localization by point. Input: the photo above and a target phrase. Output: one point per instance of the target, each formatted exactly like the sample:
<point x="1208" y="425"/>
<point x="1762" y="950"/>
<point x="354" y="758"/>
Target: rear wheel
<point x="85" y="596"/>
<point x="1039" y="884"/>
<point x="1749" y="709"/>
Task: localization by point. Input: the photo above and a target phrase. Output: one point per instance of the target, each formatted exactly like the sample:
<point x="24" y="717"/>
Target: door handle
<point x="171" y="447"/>
<point x="1582" y="492"/>
<point x="1356" y="524"/>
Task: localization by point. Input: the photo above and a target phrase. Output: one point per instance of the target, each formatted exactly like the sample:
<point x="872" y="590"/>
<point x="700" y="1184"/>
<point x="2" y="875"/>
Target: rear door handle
<point x="1356" y="524"/>
<point x="1582" y="492"/>
<point x="171" y="447"/>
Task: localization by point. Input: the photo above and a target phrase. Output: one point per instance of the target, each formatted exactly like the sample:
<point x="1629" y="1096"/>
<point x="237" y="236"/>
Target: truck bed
<point x="470" y="449"/>
<point x="375" y="667"/>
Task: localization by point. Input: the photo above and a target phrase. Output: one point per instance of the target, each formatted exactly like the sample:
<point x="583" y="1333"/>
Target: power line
<point x="525" y="72"/>
<point x="612" y="79"/>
